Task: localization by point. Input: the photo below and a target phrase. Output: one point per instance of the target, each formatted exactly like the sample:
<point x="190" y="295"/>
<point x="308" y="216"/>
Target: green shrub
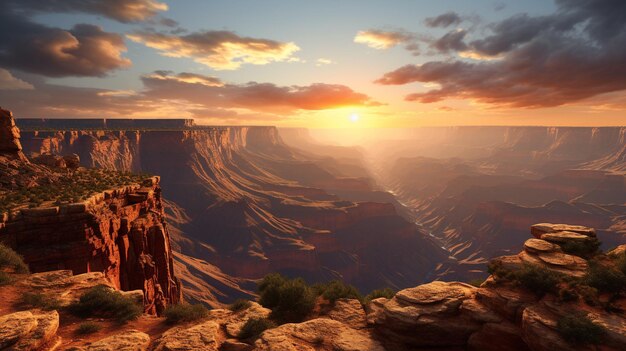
<point x="290" y="300"/>
<point x="577" y="329"/>
<point x="387" y="293"/>
<point x="269" y="290"/>
<point x="88" y="328"/>
<point x="588" y="294"/>
<point x="239" y="305"/>
<point x="12" y="260"/>
<point x="335" y="290"/>
<point x="102" y="301"/>
<point x="39" y="300"/>
<point x="537" y="279"/>
<point x="605" y="279"/>
<point x="585" y="249"/>
<point x="184" y="313"/>
<point x="254" y="327"/>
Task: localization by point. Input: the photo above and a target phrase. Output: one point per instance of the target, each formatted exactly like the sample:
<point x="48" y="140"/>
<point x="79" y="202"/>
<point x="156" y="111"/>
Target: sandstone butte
<point x="123" y="243"/>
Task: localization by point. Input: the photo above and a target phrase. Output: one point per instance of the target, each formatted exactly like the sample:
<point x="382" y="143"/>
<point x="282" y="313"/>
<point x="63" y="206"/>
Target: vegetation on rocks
<point x="290" y="300"/>
<point x="577" y="329"/>
<point x="70" y="187"/>
<point x="239" y="305"/>
<point x="88" y="328"/>
<point x="585" y="249"/>
<point x="604" y="278"/>
<point x="387" y="293"/>
<point x="537" y="279"/>
<point x="39" y="300"/>
<point x="254" y="327"/>
<point x="335" y="290"/>
<point x="184" y="312"/>
<point x="102" y="301"/>
<point x="11" y="260"/>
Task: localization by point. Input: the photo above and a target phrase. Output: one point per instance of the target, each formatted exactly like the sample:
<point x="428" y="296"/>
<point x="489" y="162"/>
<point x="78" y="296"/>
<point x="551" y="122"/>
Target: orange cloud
<point x="380" y="40"/>
<point x="8" y="82"/>
<point x="220" y="50"/>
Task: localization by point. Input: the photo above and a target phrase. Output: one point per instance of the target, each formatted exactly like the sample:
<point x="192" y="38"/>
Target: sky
<point x="317" y="64"/>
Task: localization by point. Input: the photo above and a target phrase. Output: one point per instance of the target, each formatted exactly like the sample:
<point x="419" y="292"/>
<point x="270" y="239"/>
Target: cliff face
<point x="120" y="232"/>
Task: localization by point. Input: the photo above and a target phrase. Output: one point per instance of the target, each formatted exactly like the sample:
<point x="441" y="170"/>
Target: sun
<point x="354" y="117"/>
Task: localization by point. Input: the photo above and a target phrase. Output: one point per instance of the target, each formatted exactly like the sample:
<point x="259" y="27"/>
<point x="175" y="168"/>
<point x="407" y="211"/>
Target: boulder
<point x="130" y="340"/>
<point x="349" y="312"/>
<point x="15" y="326"/>
<point x="235" y="321"/>
<point x="316" y="334"/>
<point x="538" y="246"/>
<point x="201" y="337"/>
<point x="49" y="160"/>
<point x="42" y="334"/>
<point x="563" y="237"/>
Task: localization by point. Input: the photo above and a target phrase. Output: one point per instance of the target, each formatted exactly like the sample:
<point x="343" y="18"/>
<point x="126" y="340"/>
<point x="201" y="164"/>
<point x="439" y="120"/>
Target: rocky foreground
<point x="544" y="298"/>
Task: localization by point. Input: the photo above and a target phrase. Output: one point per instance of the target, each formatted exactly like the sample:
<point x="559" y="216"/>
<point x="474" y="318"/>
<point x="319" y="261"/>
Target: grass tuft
<point x="183" y="312"/>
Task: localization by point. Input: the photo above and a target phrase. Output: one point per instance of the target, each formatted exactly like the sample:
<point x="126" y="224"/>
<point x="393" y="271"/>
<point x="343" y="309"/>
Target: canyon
<point x="241" y="204"/>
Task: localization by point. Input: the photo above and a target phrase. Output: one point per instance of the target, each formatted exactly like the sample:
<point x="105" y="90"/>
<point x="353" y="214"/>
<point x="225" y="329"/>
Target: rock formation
<point x="498" y="315"/>
<point x="121" y="233"/>
<point x="10" y="136"/>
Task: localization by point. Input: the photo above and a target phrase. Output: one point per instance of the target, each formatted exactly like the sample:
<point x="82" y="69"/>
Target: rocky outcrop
<point x="9" y="136"/>
<point x="316" y="334"/>
<point x="28" y="330"/>
<point x="130" y="340"/>
<point x="500" y="314"/>
<point x="121" y="233"/>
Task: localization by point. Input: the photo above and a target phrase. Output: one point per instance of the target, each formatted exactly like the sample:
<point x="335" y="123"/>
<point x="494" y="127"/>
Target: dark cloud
<point x="84" y="50"/>
<point x="120" y="10"/>
<point x="444" y="20"/>
<point x="532" y="61"/>
<point x="451" y="41"/>
<point x="221" y="50"/>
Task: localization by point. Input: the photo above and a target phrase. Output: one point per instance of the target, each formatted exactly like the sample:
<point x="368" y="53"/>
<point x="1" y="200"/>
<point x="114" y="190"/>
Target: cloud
<point x="184" y="94"/>
<point x="254" y="96"/>
<point x="84" y="50"/>
<point x="8" y="82"/>
<point x="120" y="10"/>
<point x="381" y="40"/>
<point x="538" y="61"/>
<point x="220" y="50"/>
<point x="445" y="20"/>
<point x="323" y="61"/>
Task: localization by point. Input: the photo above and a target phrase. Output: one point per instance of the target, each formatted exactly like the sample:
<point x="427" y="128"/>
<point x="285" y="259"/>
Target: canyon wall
<point x="121" y="232"/>
<point x="247" y="205"/>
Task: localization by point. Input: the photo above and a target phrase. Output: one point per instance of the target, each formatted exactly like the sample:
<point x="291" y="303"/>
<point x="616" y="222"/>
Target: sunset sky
<point x="322" y="63"/>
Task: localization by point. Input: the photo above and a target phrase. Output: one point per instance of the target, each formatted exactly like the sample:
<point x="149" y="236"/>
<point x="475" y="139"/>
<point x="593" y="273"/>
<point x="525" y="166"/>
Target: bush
<point x="102" y="301"/>
<point x="290" y="300"/>
<point x="605" y="279"/>
<point x="585" y="249"/>
<point x="537" y="279"/>
<point x="254" y="327"/>
<point x="335" y="290"/>
<point x="269" y="290"/>
<point x="239" y="305"/>
<point x="11" y="259"/>
<point x="577" y="329"/>
<point x="387" y="293"/>
<point x="184" y="313"/>
<point x="88" y="328"/>
<point x="39" y="300"/>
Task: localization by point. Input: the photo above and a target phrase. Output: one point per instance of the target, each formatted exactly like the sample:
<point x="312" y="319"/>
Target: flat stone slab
<point x="563" y="260"/>
<point x="538" y="245"/>
<point x="537" y="230"/>
<point x="563" y="237"/>
<point x="434" y="292"/>
<point x="42" y="334"/>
